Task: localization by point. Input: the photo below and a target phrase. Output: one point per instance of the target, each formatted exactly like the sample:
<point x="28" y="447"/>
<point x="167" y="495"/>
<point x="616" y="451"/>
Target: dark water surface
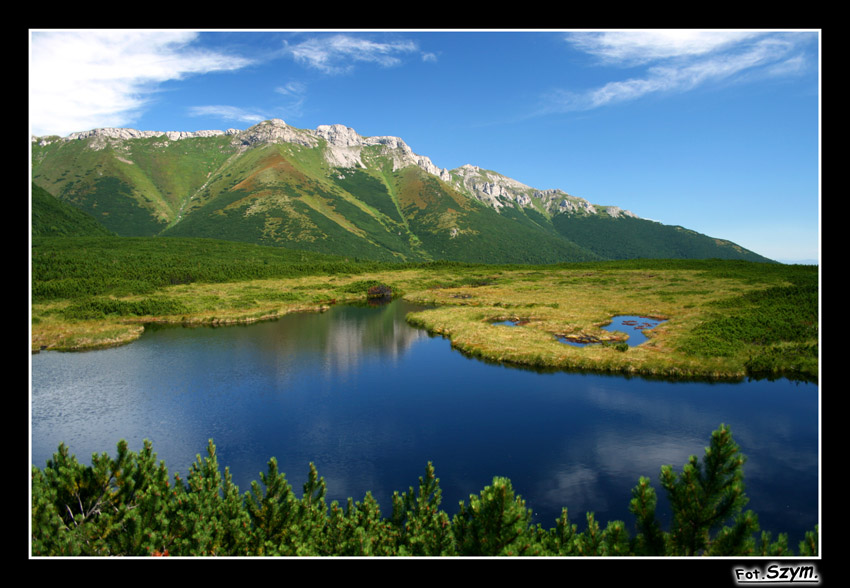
<point x="370" y="400"/>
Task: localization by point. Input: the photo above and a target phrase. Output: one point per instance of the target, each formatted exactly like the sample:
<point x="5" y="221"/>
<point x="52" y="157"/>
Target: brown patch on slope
<point x="271" y="169"/>
<point x="417" y="188"/>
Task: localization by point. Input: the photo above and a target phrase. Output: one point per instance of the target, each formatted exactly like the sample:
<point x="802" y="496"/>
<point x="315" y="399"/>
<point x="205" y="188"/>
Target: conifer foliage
<point x="706" y="495"/>
<point x="127" y="505"/>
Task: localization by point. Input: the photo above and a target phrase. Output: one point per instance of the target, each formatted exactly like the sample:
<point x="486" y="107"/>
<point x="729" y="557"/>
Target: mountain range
<point x="331" y="190"/>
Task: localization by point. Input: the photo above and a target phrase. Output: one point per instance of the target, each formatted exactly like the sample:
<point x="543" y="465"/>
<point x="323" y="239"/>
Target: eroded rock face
<point x="344" y="145"/>
<point x="491" y="187"/>
<point x="345" y="149"/>
<point x="104" y="135"/>
<point x="560" y="201"/>
<point x="498" y="191"/>
<point x="275" y="131"/>
<point x="617" y="212"/>
<point x="339" y="135"/>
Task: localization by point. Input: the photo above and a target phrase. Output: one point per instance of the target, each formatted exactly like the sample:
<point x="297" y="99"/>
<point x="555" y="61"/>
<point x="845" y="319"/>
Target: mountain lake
<point x="371" y="400"/>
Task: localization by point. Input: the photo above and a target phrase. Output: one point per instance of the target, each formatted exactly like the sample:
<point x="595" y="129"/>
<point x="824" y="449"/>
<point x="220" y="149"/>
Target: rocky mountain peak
<point x="339" y="135"/>
<point x="617" y="212"/>
<point x="276" y="131"/>
<point x="345" y="149"/>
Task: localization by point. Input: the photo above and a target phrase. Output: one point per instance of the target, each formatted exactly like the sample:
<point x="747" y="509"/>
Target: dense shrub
<point x="129" y="506"/>
<point x="779" y="323"/>
<point x="96" y="308"/>
<point x="379" y="291"/>
<point x="79" y="267"/>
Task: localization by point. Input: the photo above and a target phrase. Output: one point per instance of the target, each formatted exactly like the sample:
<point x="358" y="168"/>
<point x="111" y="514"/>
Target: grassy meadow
<point x="724" y="319"/>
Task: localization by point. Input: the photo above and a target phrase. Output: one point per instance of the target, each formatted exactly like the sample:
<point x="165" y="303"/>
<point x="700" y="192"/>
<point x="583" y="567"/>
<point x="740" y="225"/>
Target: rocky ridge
<point x="345" y="148"/>
<point x="495" y="189"/>
<point x="103" y="135"/>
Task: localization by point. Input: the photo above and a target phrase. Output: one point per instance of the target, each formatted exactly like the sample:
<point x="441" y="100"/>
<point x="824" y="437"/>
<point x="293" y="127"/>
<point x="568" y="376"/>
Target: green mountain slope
<point x="333" y="191"/>
<point x="633" y="238"/>
<point x="271" y="196"/>
<point x="135" y="187"/>
<point x="54" y="218"/>
<point x="454" y="226"/>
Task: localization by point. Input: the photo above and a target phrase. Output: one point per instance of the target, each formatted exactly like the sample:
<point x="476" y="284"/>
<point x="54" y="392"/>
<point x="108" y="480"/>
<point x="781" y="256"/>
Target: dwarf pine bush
<point x="127" y="505"/>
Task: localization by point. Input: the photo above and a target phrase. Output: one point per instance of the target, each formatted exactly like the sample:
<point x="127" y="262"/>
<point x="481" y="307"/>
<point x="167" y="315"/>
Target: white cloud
<point x="296" y="95"/>
<point x="336" y="53"/>
<point x="84" y="79"/>
<point x="292" y="89"/>
<point x="677" y="61"/>
<point x="224" y="112"/>
<point x="634" y="47"/>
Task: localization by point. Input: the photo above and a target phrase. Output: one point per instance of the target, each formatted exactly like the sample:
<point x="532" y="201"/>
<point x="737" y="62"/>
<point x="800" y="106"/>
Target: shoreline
<point x="546" y="305"/>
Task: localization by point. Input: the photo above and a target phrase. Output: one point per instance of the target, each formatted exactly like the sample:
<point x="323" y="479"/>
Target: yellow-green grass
<point x="210" y="304"/>
<point x="549" y="302"/>
<point x="576" y="304"/>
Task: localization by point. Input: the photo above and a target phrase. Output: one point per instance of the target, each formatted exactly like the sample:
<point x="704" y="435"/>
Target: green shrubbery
<point x="779" y="323"/>
<point x="97" y="308"/>
<point x="127" y="505"/>
<point x="78" y="267"/>
<point x="635" y="238"/>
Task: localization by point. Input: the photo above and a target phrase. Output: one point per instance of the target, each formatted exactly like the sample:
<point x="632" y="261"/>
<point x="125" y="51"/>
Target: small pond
<point x="632" y="325"/>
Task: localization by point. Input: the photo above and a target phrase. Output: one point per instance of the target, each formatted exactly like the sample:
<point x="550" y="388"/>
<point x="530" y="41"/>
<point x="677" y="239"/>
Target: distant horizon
<point x="798" y="261"/>
<point x="716" y="131"/>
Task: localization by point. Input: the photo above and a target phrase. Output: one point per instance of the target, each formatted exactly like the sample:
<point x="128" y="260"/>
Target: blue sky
<point x="714" y="130"/>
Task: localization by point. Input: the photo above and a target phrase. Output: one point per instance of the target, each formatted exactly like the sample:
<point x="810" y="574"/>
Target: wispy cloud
<point x="295" y="95"/>
<point x="295" y="89"/>
<point x="98" y="78"/>
<point x="338" y="53"/>
<point x="677" y="61"/>
<point x="636" y="47"/>
<point x="232" y="113"/>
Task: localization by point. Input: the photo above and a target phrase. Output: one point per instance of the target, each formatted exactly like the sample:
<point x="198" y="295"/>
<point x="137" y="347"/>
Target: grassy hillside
<point x="134" y="188"/>
<point x="632" y="238"/>
<point x="52" y="217"/>
<point x="275" y="196"/>
<point x="452" y="226"/>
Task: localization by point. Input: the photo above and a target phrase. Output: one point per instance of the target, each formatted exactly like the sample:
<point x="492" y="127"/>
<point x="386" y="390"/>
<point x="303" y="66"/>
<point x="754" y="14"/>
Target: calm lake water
<point x="370" y="400"/>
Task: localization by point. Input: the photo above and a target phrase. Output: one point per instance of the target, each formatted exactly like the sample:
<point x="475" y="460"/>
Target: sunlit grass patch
<point x="83" y="335"/>
<point x="545" y="306"/>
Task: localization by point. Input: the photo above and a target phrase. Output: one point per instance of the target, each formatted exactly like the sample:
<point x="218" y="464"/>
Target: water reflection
<point x="632" y="326"/>
<point x="371" y="400"/>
